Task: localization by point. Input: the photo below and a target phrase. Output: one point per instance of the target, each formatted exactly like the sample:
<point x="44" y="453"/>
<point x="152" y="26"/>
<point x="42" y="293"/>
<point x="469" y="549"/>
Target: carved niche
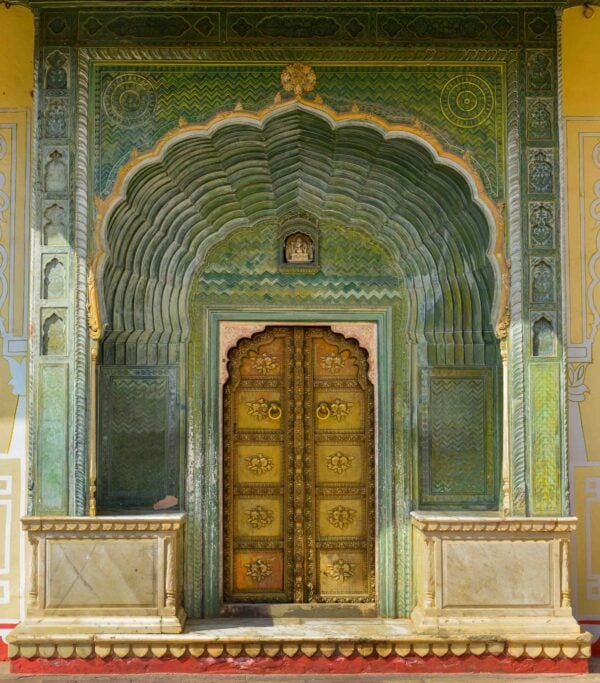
<point x="541" y="224"/>
<point x="55" y="280"/>
<point x="55" y="172"/>
<point x="542" y="281"/>
<point x="55" y="226"/>
<point x="299" y="243"/>
<point x="541" y="171"/>
<point x="56" y="120"/>
<point x="56" y="73"/>
<point x="54" y="337"/>
<point x="543" y="342"/>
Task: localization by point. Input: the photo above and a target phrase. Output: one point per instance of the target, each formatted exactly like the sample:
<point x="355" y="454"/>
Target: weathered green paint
<point x="402" y="64"/>
<point x="52" y="471"/>
<point x="140" y="447"/>
<point x="458" y="464"/>
<point x="546" y="476"/>
<point x="244" y="269"/>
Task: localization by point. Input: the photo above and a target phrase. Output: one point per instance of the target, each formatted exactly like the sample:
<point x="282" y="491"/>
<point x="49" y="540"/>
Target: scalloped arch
<point x="172" y="204"/>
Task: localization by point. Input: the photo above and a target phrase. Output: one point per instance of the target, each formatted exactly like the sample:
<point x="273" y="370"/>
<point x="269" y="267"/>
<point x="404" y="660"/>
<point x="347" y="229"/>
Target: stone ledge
<point x="121" y="648"/>
<point x="288" y="637"/>
<point x="472" y="523"/>
<point x="143" y="523"/>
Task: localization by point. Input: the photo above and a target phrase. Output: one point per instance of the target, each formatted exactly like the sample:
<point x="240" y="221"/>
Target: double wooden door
<point x="299" y="473"/>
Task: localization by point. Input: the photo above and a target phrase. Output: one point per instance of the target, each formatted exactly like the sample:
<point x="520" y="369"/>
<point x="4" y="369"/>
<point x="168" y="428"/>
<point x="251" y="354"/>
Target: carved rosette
<point x="298" y="78"/>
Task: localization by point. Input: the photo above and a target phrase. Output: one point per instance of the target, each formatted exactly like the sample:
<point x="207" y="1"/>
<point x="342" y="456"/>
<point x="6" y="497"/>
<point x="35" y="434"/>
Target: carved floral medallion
<point x="259" y="517"/>
<point x="259" y="463"/>
<point x="258" y="570"/>
<point x="264" y="364"/>
<point x="339" y="462"/>
<point x="341" y="517"/>
<point x="340" y="409"/>
<point x="340" y="570"/>
<point x="258" y="408"/>
<point x="332" y="362"/>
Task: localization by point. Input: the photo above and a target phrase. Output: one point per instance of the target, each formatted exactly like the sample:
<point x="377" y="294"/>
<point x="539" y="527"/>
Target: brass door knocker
<point x="274" y="411"/>
<point x="323" y="411"/>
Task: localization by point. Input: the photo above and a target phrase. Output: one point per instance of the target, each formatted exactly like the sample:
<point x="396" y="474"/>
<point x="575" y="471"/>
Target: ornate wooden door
<point x="299" y="472"/>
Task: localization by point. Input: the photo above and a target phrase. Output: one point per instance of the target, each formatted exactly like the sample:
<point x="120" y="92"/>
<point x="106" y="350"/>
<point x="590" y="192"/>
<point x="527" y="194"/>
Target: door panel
<point x="299" y="514"/>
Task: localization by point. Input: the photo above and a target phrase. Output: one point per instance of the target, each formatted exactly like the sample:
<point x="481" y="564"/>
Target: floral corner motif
<point x="332" y="362"/>
<point x="265" y="364"/>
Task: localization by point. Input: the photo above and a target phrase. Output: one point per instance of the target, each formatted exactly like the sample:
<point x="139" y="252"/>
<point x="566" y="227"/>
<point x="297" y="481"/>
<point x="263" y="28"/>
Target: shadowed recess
<point x="204" y="186"/>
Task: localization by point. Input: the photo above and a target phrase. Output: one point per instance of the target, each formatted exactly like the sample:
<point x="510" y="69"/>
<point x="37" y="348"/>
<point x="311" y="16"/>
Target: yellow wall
<point x="16" y="85"/>
<point x="581" y="66"/>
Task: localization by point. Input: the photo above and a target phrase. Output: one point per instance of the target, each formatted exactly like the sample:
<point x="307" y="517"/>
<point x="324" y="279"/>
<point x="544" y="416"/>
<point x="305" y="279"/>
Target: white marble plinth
<point x="492" y="575"/>
<point x="110" y="573"/>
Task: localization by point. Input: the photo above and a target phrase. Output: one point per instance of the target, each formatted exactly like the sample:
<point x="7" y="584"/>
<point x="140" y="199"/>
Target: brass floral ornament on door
<point x="259" y="517"/>
<point x="339" y="462"/>
<point x="262" y="410"/>
<point x="341" y="517"/>
<point x="333" y="362"/>
<point x="265" y="364"/>
<point x="258" y="408"/>
<point x="259" y="463"/>
<point x="258" y="570"/>
<point x="338" y="409"/>
<point x="340" y="570"/>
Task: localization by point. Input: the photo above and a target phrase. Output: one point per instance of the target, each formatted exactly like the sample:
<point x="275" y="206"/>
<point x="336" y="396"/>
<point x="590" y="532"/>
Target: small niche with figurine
<point x="299" y="245"/>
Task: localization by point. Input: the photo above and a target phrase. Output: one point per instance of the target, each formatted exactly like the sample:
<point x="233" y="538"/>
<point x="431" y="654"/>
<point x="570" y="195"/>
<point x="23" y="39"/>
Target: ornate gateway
<point x="299" y="477"/>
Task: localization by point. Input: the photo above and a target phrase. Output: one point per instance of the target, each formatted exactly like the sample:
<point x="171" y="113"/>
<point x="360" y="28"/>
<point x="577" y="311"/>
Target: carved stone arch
<point x="429" y="208"/>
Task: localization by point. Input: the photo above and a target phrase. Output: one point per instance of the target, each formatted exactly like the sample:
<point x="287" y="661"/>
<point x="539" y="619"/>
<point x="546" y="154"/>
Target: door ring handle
<point x="323" y="411"/>
<point x="274" y="411"/>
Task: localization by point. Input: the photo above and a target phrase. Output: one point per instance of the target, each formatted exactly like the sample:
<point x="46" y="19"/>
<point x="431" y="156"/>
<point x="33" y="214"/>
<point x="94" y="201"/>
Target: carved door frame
<point x="223" y="328"/>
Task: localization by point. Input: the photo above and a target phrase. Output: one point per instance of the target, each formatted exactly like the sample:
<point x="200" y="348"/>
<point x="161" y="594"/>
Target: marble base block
<point x="107" y="574"/>
<point x="489" y="575"/>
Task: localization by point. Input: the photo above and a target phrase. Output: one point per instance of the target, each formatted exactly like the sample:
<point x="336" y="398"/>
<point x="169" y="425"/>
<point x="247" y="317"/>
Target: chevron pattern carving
<point x="198" y="93"/>
<point x="459" y="457"/>
<point x="545" y="434"/>
<point x="140" y="451"/>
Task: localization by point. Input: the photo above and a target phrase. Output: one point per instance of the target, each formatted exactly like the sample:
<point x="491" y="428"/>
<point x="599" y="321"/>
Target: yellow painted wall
<point x="581" y="66"/>
<point x="581" y="94"/>
<point x="16" y="85"/>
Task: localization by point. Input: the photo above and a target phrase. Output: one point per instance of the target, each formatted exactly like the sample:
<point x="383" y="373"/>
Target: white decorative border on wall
<point x="579" y="219"/>
<point x="15" y="192"/>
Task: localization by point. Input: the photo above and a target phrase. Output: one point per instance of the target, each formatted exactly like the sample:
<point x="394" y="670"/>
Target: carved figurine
<point x="299" y="249"/>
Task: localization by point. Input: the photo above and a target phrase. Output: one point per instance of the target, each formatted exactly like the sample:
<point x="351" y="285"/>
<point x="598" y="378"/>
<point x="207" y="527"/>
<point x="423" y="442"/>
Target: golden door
<point x="299" y="472"/>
